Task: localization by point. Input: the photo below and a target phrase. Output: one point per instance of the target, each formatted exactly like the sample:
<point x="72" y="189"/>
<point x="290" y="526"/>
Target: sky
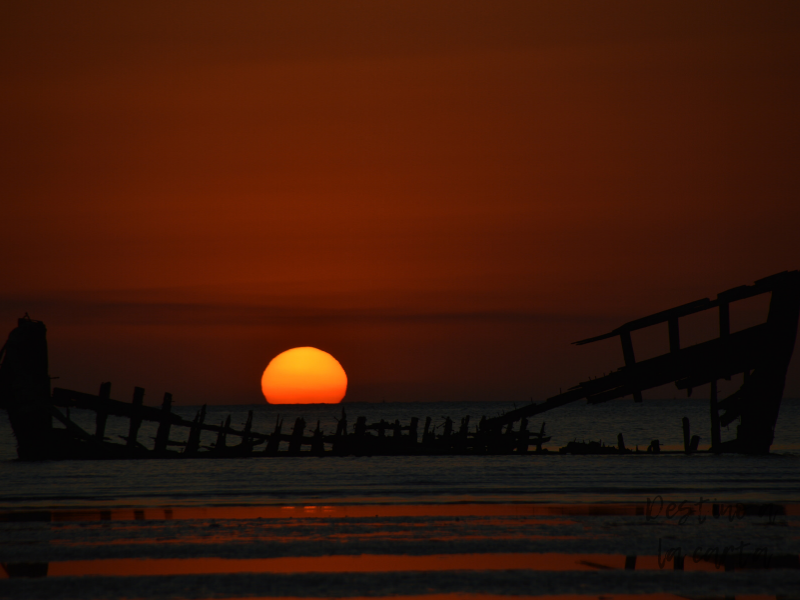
<point x="441" y="194"/>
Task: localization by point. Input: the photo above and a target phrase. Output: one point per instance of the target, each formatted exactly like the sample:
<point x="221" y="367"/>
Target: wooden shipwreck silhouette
<point x="761" y="353"/>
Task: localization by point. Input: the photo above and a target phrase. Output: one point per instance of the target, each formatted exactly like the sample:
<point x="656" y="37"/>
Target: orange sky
<point x="442" y="195"/>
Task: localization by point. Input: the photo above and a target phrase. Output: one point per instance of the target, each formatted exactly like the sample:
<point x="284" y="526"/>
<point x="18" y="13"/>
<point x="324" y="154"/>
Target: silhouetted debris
<point x="591" y="448"/>
<point x="25" y="569"/>
<point x="761" y="353"/>
<point x="162" y="437"/>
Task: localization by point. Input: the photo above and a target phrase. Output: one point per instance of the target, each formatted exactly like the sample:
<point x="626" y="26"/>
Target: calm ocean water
<point x="563" y="479"/>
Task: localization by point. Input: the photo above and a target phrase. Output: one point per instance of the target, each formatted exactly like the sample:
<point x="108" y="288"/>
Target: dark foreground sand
<point x="465" y="550"/>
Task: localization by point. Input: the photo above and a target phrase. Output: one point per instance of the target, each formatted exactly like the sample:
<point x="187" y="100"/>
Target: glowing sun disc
<point x="304" y="376"/>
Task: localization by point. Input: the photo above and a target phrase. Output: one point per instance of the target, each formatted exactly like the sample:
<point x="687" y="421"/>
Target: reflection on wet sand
<point x="354" y="549"/>
<point x="655" y="596"/>
<point x="652" y="596"/>
<point x="707" y="509"/>
<point x="366" y="563"/>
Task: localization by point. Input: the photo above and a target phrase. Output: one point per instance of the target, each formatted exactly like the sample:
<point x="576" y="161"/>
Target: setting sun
<point x="304" y="376"/>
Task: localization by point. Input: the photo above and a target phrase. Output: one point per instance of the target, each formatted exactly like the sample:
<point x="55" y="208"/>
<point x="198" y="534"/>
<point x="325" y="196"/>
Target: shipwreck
<point x="40" y="419"/>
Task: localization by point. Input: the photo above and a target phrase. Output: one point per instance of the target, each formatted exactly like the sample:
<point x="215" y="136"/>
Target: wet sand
<point x="465" y="550"/>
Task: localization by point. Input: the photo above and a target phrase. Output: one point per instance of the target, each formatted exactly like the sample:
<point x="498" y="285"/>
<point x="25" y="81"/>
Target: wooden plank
<point x="655" y="319"/>
<point x="101" y="414"/>
<point x="690" y="367"/>
<point x="761" y="286"/>
<point x="71" y="398"/>
<point x="724" y="319"/>
<point x="687" y="437"/>
<point x="715" y="433"/>
<point x="136" y="419"/>
<point x="674" y="335"/>
<point x="597" y="338"/>
<point x="74" y="429"/>
<point x="665" y="315"/>
<point x="222" y="435"/>
<point x="193" y="443"/>
<point x="63" y="397"/>
<point x="162" y="436"/>
<point x="627" y="348"/>
<point x="296" y="439"/>
<point x="246" y="445"/>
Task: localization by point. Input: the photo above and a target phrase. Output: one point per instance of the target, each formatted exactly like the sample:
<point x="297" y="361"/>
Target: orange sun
<point x="304" y="376"/>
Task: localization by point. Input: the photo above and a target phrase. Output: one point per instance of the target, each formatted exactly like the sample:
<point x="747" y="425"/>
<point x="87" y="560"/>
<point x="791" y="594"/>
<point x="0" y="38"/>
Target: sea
<point x="515" y="526"/>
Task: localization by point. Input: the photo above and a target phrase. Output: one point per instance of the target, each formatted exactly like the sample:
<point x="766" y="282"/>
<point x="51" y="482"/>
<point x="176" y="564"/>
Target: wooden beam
<point x="687" y="437"/>
<point x="674" y="335"/>
<point x="136" y="418"/>
<point x="71" y="398"/>
<point x="715" y="434"/>
<point x="597" y="338"/>
<point x="162" y="437"/>
<point x="655" y="319"/>
<point x="724" y="319"/>
<point x="101" y="414"/>
<point x="74" y="429"/>
<point x="627" y="348"/>
<point x="193" y="443"/>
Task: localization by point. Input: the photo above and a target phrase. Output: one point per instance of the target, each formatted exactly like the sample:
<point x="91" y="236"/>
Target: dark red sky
<point x="443" y="195"/>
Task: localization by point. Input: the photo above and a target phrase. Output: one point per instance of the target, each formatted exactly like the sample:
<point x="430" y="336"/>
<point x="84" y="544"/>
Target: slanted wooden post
<point x="274" y="443"/>
<point x="136" y="417"/>
<point x="296" y="442"/>
<point x="620" y="443"/>
<point x="102" y="414"/>
<point x="247" y="444"/>
<point x="223" y="434"/>
<point x="678" y="561"/>
<point x="725" y="324"/>
<point x="162" y="437"/>
<point x="340" y="439"/>
<point x="687" y="437"/>
<point x="412" y="430"/>
<point x="448" y="427"/>
<point x="193" y="443"/>
<point x="674" y="335"/>
<point x="629" y="357"/>
<point x="460" y="440"/>
<point x="341" y="426"/>
<point x="627" y="348"/>
<point x="426" y="433"/>
<point x="724" y="319"/>
<point x="715" y="434"/>
<point x="541" y="436"/>
<point x="522" y="437"/>
<point x="360" y="428"/>
<point x="317" y="442"/>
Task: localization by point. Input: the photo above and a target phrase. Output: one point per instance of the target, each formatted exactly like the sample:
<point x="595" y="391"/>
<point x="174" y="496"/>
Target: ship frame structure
<point x="761" y="354"/>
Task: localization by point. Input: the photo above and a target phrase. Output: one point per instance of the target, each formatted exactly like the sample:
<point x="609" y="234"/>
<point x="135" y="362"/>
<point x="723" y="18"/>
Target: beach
<point x="553" y="525"/>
